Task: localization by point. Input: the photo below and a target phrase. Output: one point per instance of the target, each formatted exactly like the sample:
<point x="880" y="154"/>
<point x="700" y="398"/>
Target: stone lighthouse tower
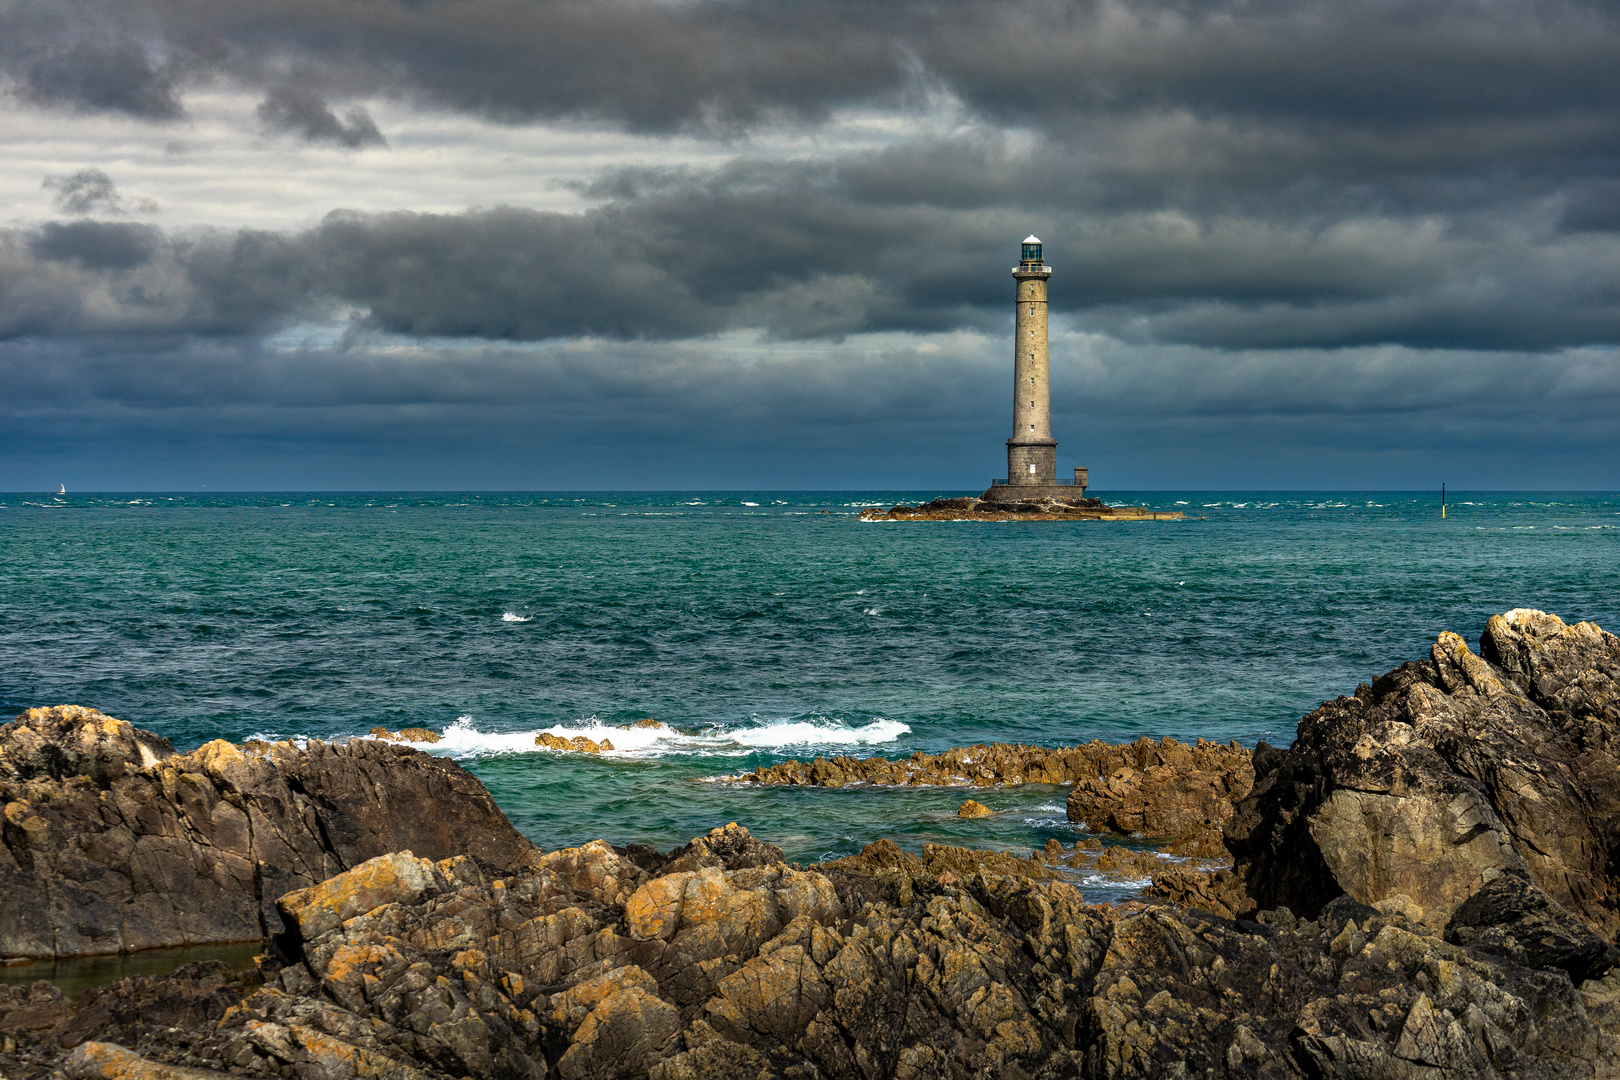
<point x="1032" y="452"/>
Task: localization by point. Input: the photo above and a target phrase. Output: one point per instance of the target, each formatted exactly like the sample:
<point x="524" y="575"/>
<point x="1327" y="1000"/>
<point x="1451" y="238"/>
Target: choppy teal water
<point x="757" y="627"/>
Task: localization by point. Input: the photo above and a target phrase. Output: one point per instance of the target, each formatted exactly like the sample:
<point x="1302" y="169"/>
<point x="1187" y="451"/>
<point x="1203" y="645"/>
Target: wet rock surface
<point x="113" y="842"/>
<point x="720" y="964"/>
<point x="1446" y="774"/>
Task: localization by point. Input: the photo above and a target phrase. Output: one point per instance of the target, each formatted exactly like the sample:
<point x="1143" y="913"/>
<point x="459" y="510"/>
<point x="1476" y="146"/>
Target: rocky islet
<point x="1038" y="509"/>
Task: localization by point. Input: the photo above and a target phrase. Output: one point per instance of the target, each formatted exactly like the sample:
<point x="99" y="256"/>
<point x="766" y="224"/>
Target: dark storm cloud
<point x="1233" y="175"/>
<point x="585" y="414"/>
<point x="119" y="78"/>
<point x="1352" y="65"/>
<point x="96" y="245"/>
<point x="1593" y="206"/>
<point x="302" y="112"/>
<point x="84" y="192"/>
<point x="824" y="250"/>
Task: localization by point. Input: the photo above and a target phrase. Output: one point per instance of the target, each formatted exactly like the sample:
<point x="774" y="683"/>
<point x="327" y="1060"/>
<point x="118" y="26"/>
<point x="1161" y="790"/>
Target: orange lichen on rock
<point x="407" y="735"/>
<point x="578" y="743"/>
<point x="972" y="809"/>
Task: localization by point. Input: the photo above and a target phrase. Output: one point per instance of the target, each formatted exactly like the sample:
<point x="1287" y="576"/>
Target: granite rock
<point x="1447" y="773"/>
<point x="998" y="764"/>
<point x="113" y="842"/>
<point x="1181" y="796"/>
<point x="590" y="967"/>
<point x="1512" y="916"/>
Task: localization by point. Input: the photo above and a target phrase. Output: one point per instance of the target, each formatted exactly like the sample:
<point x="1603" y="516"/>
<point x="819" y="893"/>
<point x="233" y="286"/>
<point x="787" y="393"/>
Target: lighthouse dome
<point x="1032" y="239"/>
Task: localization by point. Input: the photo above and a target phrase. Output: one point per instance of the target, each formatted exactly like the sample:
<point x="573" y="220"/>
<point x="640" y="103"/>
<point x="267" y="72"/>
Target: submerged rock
<point x="113" y="842"/>
<point x="1447" y="774"/>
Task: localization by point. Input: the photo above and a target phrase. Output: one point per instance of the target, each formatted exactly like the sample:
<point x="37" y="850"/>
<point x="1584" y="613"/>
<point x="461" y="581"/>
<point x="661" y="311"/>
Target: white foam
<point x="512" y="616"/>
<point x="805" y="733"/>
<point x="463" y="739"/>
<point x="750" y="504"/>
<point x="1118" y="883"/>
<point x="300" y="741"/>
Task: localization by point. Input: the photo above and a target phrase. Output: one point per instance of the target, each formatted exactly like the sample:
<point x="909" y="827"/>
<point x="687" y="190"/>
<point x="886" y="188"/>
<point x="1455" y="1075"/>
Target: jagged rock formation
<point x="1446" y="774"/>
<point x="1176" y="790"/>
<point x="1181" y="791"/>
<point x="113" y="842"/>
<point x="995" y="764"/>
<point x="722" y="964"/>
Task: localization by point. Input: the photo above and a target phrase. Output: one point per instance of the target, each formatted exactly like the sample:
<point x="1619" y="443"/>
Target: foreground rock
<point x="721" y="962"/>
<point x="1447" y="774"/>
<point x="113" y="842"/>
<point x="974" y="509"/>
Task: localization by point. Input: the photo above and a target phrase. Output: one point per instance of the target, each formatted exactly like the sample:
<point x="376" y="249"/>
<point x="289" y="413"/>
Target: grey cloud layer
<point x="658" y="65"/>
<point x="818" y="251"/>
<point x="684" y="415"/>
<point x="1344" y="224"/>
<point x="1231" y="174"/>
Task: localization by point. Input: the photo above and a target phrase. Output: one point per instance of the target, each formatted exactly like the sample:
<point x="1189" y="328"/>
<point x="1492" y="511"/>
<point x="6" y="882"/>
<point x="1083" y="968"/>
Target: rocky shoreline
<point x="1421" y="887"/>
<point x="974" y="509"/>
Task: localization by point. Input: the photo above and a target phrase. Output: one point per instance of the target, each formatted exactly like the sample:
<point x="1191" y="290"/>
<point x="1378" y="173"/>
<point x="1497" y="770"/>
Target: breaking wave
<point x="463" y="739"/>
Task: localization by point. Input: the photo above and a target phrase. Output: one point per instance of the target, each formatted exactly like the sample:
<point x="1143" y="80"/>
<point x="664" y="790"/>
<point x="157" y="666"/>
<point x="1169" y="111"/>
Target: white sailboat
<point x="62" y="489"/>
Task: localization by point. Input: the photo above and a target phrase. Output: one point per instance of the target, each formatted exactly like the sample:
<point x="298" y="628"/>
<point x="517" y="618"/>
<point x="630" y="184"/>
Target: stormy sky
<point x="293" y="244"/>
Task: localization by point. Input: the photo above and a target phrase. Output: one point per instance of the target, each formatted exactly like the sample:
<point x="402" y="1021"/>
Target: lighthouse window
<point x="1032" y="404"/>
<point x="1032" y="470"/>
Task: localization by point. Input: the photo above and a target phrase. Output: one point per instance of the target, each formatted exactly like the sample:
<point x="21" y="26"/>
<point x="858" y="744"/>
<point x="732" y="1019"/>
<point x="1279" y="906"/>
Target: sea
<point x="756" y="627"/>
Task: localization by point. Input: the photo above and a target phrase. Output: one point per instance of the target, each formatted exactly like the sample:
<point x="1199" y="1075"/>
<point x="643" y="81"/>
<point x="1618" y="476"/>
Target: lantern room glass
<point x="1032" y="253"/>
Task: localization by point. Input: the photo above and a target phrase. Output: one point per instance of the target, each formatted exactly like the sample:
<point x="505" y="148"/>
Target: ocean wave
<point x="463" y="738"/>
<point x="512" y="616"/>
<point x="808" y="733"/>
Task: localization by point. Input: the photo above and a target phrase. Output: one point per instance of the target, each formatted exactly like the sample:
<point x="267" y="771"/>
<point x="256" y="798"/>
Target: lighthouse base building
<point x="1032" y="452"/>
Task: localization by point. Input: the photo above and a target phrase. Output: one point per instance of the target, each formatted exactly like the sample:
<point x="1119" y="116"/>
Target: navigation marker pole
<point x="1442" y="501"/>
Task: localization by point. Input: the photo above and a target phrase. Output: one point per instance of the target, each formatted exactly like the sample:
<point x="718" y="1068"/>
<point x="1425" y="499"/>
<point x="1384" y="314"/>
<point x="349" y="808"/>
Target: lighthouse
<point x="1032" y="451"/>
